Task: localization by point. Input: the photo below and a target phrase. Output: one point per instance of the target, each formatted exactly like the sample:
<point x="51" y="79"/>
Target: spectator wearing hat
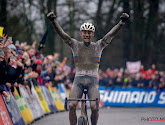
<point x="37" y="67"/>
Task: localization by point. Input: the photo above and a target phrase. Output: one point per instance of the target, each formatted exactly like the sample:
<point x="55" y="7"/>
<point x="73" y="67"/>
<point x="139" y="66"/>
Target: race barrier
<point x="31" y="102"/>
<point x="25" y="112"/>
<point x="13" y="110"/>
<point x="56" y="97"/>
<point x="48" y="98"/>
<point x="132" y="97"/>
<point x="36" y="100"/>
<point x="42" y="99"/>
<point x="63" y="93"/>
<point x="4" y="115"/>
<point x="26" y="107"/>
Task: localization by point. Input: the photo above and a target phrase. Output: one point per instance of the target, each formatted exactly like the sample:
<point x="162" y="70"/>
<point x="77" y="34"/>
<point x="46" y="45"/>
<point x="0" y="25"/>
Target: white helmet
<point x="87" y="26"/>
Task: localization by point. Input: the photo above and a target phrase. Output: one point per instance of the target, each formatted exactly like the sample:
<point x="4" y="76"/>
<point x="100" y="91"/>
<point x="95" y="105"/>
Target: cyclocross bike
<point x="83" y="119"/>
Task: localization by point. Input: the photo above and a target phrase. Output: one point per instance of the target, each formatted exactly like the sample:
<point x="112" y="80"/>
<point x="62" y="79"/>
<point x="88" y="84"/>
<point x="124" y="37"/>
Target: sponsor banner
<point x="62" y="91"/>
<point x="13" y="110"/>
<point x="56" y="97"/>
<point x="101" y="103"/>
<point x="36" y="101"/>
<point x="25" y="112"/>
<point x="67" y="92"/>
<point x="133" y="67"/>
<point x="4" y="115"/>
<point x="33" y="106"/>
<point x="42" y="99"/>
<point x="133" y="97"/>
<point x="48" y="98"/>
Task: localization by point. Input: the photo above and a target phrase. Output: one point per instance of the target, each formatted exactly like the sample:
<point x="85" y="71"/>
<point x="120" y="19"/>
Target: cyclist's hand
<point x="124" y="17"/>
<point x="51" y="16"/>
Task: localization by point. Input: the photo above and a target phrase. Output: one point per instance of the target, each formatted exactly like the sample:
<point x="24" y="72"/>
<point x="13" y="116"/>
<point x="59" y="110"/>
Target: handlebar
<point x="84" y="100"/>
<point x="81" y="100"/>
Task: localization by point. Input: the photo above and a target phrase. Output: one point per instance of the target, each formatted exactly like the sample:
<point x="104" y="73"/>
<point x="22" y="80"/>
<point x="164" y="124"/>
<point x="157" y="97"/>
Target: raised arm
<point x="58" y="28"/>
<point x="108" y="37"/>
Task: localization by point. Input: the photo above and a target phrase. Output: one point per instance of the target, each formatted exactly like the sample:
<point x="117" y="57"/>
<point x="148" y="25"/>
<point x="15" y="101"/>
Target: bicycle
<point x="83" y="118"/>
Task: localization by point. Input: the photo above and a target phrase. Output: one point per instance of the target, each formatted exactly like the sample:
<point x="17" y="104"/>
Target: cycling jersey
<point x="87" y="58"/>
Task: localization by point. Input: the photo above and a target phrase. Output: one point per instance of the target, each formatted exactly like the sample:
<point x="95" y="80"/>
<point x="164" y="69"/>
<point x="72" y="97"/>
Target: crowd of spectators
<point x="146" y="79"/>
<point x="23" y="64"/>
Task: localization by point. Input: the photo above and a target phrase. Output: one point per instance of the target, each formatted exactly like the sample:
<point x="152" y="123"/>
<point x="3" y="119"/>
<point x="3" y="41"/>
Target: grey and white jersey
<point x="87" y="58"/>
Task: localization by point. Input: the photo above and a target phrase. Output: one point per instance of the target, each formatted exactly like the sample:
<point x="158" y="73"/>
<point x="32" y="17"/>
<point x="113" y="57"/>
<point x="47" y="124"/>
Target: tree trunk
<point x="152" y="32"/>
<point x="127" y="32"/>
<point x="3" y="13"/>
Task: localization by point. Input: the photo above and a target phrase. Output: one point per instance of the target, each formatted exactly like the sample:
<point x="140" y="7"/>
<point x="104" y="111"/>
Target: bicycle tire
<point x="86" y="122"/>
<point x="81" y="120"/>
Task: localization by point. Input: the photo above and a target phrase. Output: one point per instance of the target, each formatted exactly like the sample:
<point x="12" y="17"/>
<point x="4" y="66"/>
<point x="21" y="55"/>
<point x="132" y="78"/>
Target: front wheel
<point x="83" y="120"/>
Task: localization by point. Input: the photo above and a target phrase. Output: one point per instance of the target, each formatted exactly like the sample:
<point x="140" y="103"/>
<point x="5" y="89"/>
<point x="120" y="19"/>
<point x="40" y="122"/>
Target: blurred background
<point x="142" y="38"/>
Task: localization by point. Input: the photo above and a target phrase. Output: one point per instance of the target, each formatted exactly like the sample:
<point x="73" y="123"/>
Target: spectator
<point x="13" y="72"/>
<point x="3" y="72"/>
<point x="48" y="75"/>
<point x="59" y="77"/>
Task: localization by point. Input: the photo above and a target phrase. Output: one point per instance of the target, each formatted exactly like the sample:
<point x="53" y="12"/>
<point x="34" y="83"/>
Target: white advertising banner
<point x="133" y="67"/>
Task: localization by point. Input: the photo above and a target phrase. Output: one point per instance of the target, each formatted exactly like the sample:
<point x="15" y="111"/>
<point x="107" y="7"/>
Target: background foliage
<point x="142" y="38"/>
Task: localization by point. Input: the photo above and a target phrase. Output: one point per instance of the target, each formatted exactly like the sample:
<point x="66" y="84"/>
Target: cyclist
<point x="87" y="56"/>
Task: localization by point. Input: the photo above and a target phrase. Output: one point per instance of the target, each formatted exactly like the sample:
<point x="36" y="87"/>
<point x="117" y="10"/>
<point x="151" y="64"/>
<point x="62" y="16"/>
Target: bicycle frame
<point x="83" y="117"/>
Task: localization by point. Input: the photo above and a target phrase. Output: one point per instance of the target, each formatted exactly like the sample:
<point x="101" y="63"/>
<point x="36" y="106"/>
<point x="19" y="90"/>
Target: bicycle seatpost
<point x="85" y="92"/>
